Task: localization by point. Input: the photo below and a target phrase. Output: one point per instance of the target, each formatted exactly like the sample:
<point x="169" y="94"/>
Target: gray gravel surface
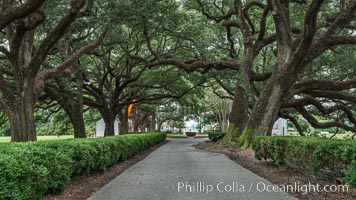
<point x="177" y="170"/>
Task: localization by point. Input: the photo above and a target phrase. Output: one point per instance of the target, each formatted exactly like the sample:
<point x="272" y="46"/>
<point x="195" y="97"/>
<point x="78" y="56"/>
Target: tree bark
<point x="225" y="124"/>
<point x="265" y="111"/>
<point x="78" y="126"/>
<point x="21" y="117"/>
<point x="238" y="115"/>
<point x="124" y="122"/>
<point x="77" y="120"/>
<point x="109" y="127"/>
<point x="109" y="119"/>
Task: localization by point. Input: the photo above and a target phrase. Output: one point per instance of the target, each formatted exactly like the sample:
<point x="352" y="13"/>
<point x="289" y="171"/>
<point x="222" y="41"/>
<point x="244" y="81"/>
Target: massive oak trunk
<point x="124" y="122"/>
<point x="77" y="120"/>
<point x="78" y="126"/>
<point x="21" y="113"/>
<point x="21" y="116"/>
<point x="265" y="111"/>
<point x="238" y="115"/>
<point x="109" y="119"/>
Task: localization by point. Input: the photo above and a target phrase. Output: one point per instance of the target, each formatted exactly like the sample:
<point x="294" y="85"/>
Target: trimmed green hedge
<point x="29" y="170"/>
<point x="216" y="136"/>
<point x="324" y="159"/>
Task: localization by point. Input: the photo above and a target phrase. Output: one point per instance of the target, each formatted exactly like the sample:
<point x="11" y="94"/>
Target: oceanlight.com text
<point x="201" y="187"/>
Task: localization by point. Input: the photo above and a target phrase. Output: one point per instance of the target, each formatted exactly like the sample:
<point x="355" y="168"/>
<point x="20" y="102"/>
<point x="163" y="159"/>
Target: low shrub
<point x="29" y="170"/>
<point x="321" y="158"/>
<point x="216" y="136"/>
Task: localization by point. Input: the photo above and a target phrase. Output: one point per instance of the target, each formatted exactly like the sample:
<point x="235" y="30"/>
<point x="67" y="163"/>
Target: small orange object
<point x="129" y="109"/>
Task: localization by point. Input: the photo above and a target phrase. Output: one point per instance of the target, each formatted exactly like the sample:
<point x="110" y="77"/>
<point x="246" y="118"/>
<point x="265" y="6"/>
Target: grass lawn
<point x="7" y="139"/>
<point x="184" y="136"/>
<point x="342" y="136"/>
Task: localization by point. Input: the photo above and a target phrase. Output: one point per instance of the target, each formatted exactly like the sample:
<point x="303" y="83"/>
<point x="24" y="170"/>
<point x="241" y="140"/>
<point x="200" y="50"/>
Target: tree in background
<point x="220" y="107"/>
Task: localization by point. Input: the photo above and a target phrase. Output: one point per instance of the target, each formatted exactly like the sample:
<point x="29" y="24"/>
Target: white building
<point x="100" y="128"/>
<point x="280" y="127"/>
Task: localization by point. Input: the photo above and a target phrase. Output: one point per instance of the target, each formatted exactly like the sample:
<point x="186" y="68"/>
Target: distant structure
<point x="280" y="127"/>
<point x="190" y="125"/>
<point x="100" y="128"/>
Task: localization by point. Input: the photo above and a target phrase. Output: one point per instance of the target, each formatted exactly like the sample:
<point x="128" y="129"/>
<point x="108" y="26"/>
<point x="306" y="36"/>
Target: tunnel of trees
<point x="65" y="64"/>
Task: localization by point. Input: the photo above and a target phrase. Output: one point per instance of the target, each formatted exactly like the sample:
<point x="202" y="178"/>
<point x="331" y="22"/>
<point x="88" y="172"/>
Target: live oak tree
<point x="273" y="58"/>
<point x="67" y="90"/>
<point x="25" y="47"/>
<point x="106" y="86"/>
<point x="70" y="101"/>
<point x="117" y="81"/>
<point x="297" y="40"/>
<point x="294" y="54"/>
<point x="111" y="79"/>
<point x="117" y="78"/>
<point x="298" y="43"/>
